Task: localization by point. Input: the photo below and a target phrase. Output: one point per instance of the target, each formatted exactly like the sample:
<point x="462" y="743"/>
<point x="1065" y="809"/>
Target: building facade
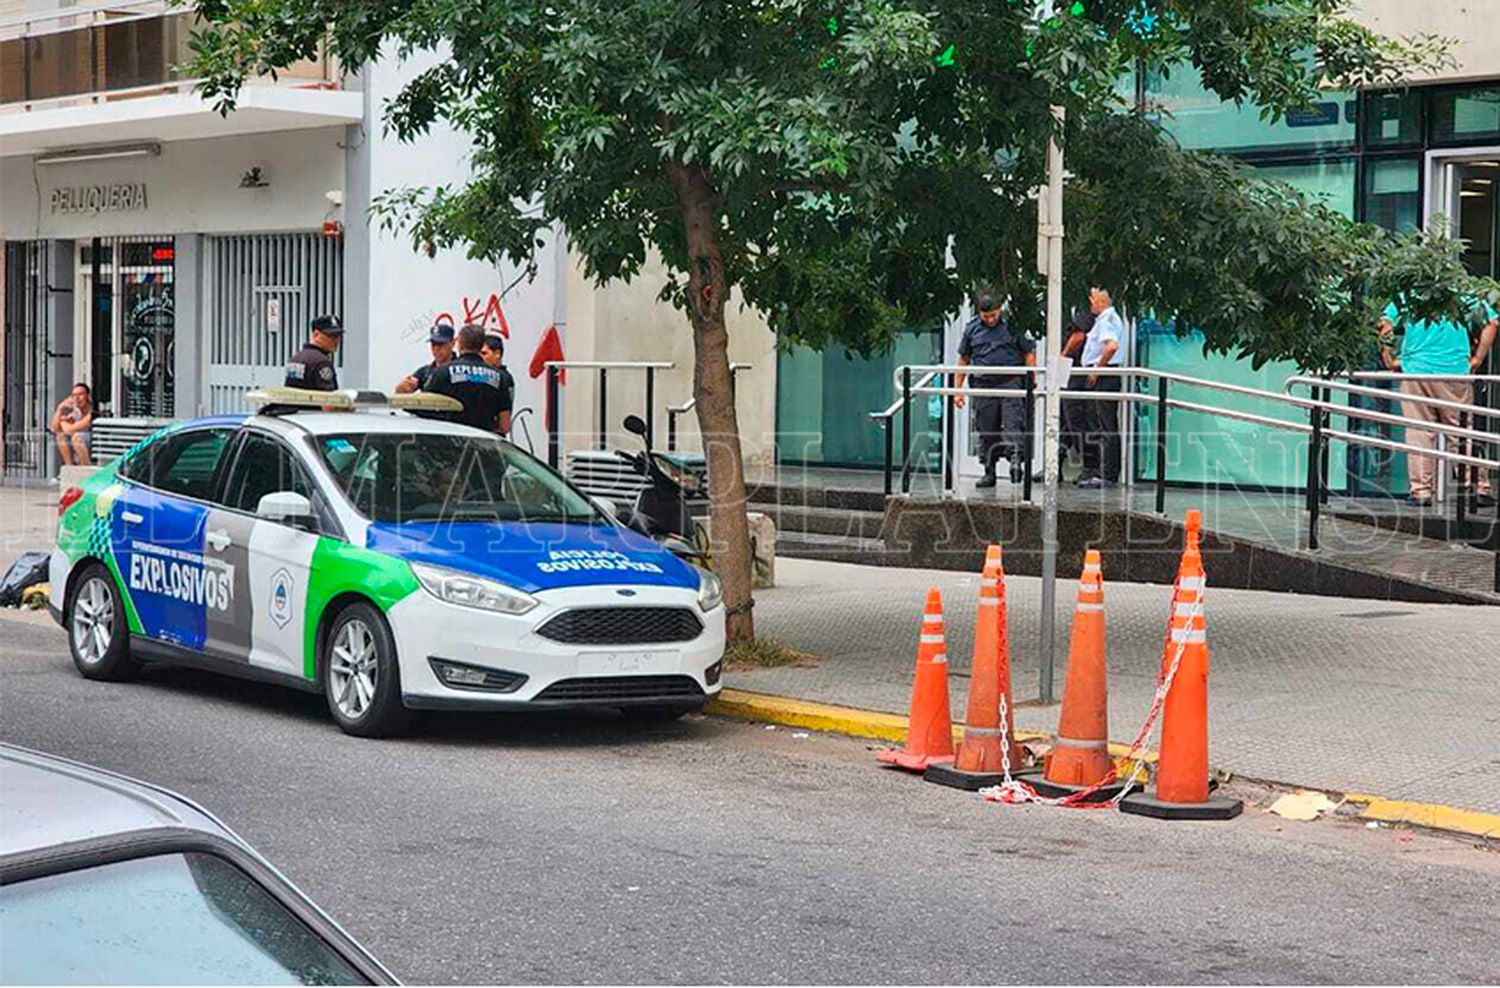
<point x="172" y="257"/>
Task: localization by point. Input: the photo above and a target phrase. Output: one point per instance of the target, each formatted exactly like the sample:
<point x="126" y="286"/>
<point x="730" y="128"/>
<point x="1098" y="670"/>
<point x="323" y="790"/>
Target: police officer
<point x="494" y="355"/>
<point x="312" y="366"/>
<point x="486" y="393"/>
<point x="988" y="341"/>
<point x="440" y="345"/>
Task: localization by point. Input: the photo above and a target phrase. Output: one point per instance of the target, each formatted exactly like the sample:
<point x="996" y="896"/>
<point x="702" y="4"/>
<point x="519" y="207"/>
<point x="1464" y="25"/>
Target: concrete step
<point x="837" y="549"/>
<point x="823" y="521"/>
<point x="817" y="497"/>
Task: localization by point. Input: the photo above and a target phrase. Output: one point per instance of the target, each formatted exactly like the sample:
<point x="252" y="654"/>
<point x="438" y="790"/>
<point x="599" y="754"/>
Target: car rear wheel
<point x="98" y="635"/>
<point x="360" y="678"/>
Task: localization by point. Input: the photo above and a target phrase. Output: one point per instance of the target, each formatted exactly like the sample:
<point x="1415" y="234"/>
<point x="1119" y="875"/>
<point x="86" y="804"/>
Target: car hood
<point x="535" y="556"/>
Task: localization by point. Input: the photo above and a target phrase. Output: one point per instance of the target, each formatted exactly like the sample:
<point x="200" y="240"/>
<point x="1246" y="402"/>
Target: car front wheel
<point x="360" y="678"/>
<point x="98" y="635"/>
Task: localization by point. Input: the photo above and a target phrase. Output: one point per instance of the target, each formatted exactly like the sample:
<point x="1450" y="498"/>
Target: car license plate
<point x="616" y="663"/>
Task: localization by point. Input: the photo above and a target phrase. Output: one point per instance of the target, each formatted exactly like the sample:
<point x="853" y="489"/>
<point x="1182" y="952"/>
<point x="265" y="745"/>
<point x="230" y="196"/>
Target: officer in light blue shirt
<point x="1101" y="434"/>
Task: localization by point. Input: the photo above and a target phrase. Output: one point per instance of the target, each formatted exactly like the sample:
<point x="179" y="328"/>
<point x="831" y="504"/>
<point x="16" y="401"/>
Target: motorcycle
<point x="664" y="508"/>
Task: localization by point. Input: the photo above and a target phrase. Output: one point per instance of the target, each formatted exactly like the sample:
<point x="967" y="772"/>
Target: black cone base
<point x="947" y="775"/>
<point x="1216" y="808"/>
<point x="1059" y="790"/>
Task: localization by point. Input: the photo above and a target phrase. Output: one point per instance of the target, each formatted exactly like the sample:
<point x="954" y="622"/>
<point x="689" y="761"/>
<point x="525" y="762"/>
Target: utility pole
<point x="1050" y="235"/>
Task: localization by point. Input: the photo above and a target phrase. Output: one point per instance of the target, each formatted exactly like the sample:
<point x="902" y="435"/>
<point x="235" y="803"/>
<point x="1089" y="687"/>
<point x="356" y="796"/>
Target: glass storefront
<point x="824" y="400"/>
<point x="1360" y="155"/>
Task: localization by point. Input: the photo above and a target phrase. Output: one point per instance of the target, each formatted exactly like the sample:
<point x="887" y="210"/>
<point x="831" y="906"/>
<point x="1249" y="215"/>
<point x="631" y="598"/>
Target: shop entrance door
<point x="125" y="324"/>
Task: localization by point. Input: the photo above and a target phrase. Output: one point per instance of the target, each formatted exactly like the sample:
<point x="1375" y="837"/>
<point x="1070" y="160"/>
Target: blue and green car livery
<point x="391" y="562"/>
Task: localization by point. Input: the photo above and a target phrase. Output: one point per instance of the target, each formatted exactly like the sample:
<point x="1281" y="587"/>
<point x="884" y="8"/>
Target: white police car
<point x="390" y="561"/>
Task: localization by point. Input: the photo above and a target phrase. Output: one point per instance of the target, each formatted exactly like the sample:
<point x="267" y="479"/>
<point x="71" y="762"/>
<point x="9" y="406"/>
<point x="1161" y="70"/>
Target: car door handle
<point x="219" y="539"/>
<point x="131" y="518"/>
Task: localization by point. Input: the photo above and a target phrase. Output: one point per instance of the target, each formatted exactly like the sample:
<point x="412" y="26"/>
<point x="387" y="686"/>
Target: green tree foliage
<point x="823" y="157"/>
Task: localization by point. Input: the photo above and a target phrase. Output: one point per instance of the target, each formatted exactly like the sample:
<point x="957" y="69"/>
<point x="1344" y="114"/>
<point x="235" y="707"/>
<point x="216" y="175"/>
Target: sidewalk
<point x="1399" y="700"/>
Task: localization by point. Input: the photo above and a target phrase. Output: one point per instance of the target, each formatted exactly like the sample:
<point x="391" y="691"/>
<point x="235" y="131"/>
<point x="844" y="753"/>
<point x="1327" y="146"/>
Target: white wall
<point x="191" y="187"/>
<point x="408" y="291"/>
<point x="1469" y="24"/>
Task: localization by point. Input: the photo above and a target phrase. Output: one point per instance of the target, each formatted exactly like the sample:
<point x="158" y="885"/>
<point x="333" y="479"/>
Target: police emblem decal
<point x="281" y="598"/>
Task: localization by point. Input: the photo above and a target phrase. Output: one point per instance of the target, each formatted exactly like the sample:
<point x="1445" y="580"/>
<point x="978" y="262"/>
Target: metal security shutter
<point x="28" y="369"/>
<point x="248" y="278"/>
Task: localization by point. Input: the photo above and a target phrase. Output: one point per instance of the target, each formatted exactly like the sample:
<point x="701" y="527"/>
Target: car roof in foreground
<point x="46" y="801"/>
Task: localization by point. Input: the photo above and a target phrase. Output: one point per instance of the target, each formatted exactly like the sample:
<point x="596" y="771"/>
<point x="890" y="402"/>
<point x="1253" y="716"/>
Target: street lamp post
<point x="1050" y="236"/>
<point x="1050" y="232"/>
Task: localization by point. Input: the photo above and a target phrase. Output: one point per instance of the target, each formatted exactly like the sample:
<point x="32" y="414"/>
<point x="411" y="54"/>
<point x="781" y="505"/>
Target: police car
<point x="339" y="543"/>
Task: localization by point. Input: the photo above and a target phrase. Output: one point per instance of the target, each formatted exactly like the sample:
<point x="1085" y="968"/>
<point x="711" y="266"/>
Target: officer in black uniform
<point x="312" y="366"/>
<point x="484" y="391"/>
<point x="988" y="341"/>
<point x="440" y="343"/>
<point x="494" y="355"/>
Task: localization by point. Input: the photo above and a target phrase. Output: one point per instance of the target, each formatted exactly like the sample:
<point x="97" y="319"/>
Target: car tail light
<point x="69" y="498"/>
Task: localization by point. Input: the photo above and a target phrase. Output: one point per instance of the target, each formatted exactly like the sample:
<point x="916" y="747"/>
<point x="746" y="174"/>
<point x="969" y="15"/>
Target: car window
<point x="397" y="477"/>
<point x="181" y="463"/>
<point x="264" y="466"/>
<point x="169" y="919"/>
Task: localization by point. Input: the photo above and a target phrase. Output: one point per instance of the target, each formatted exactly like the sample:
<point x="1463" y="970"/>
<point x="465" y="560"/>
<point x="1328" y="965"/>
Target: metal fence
<point x="262" y="290"/>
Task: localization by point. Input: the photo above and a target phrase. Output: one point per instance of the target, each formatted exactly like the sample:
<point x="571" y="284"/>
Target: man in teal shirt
<point x="1440" y="349"/>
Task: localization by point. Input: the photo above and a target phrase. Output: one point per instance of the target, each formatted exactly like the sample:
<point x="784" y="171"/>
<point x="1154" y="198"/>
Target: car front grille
<point x="615" y="689"/>
<point x="623" y="626"/>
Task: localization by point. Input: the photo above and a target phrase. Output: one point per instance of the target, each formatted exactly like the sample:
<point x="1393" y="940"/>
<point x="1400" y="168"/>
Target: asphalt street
<point x="583" y="849"/>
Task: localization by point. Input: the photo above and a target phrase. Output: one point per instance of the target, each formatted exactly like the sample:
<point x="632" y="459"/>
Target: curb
<point x="854" y="722"/>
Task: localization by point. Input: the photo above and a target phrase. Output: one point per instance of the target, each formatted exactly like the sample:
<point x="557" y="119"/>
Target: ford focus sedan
<point x="390" y="561"/>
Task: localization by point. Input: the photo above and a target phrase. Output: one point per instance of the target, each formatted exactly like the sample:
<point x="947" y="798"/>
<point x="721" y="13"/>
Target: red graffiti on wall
<point x="480" y="311"/>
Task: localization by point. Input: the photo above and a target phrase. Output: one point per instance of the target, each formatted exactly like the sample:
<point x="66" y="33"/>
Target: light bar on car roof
<point x="426" y="401"/>
<point x="303" y="397"/>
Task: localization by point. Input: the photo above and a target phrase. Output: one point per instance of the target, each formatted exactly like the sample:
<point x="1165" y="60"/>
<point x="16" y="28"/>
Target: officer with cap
<point x="988" y="341"/>
<point x="440" y="345"/>
<point x="486" y="393"/>
<point x="312" y="366"/>
<point x="494" y="355"/>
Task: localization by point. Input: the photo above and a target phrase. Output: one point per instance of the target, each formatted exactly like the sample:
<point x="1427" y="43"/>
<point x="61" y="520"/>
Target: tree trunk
<point x="712" y="387"/>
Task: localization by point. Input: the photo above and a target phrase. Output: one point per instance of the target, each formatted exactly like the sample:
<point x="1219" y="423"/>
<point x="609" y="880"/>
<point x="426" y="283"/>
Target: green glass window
<point x="1213" y="449"/>
<point x="824" y="400"/>
<point x="1393" y="118"/>
<point x="1393" y="193"/>
<point x="1331" y="182"/>
<point x="1199" y="119"/>
<point x="1465" y="117"/>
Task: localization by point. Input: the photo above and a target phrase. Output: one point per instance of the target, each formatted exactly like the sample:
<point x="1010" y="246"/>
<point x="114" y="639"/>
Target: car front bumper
<point x="681" y="674"/>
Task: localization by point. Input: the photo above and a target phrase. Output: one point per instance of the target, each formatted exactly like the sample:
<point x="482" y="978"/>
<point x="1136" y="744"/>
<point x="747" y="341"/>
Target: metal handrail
<point x="735" y="366"/>
<point x="1403" y="376"/>
<point x="1388" y="395"/>
<point x="554" y="403"/>
<point x="1321" y="408"/>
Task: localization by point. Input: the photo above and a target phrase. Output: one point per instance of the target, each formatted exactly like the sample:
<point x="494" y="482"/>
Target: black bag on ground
<point x="27" y="571"/>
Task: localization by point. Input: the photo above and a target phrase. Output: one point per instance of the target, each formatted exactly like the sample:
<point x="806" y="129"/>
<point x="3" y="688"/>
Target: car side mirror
<point x="635" y="425"/>
<point x="288" y="508"/>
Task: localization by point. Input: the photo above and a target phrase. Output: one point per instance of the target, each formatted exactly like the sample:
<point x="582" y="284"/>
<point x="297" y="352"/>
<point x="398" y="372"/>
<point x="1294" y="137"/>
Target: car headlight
<point x="710" y="590"/>
<point x="468" y="590"/>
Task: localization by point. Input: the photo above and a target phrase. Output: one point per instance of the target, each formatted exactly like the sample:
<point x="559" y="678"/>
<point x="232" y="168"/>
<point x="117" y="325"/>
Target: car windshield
<point x="169" y="919"/>
<point x="407" y="476"/>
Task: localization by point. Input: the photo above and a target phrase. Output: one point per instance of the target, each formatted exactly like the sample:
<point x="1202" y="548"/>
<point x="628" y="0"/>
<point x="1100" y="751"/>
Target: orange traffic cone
<point x="1080" y="759"/>
<point x="1182" y="787"/>
<point x="981" y="755"/>
<point x="929" y="731"/>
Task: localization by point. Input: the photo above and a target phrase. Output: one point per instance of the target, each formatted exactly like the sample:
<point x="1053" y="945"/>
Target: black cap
<point x="494" y="341"/>
<point x="442" y="332"/>
<point x="1083" y="320"/>
<point x="332" y="325"/>
<point x="985" y="301"/>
